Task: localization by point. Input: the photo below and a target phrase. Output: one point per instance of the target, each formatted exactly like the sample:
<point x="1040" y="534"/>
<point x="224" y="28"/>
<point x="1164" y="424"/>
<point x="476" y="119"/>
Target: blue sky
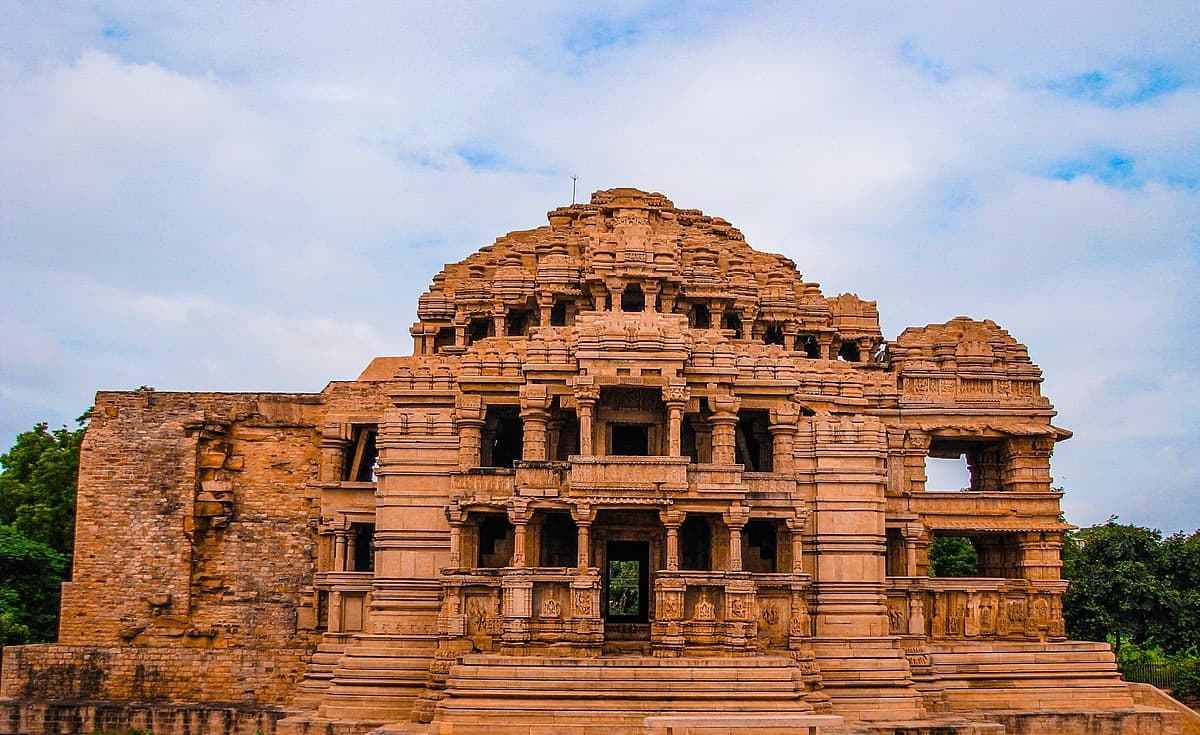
<point x="251" y="197"/>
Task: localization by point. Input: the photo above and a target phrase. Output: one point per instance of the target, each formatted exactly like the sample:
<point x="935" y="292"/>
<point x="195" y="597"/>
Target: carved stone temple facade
<point x="633" y="467"/>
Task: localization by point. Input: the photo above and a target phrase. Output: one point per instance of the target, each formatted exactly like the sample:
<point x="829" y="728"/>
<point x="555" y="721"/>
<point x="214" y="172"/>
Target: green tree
<point x="37" y="485"/>
<point x="953" y="556"/>
<point x="30" y="577"/>
<point x="1118" y="586"/>
<point x="38" y="477"/>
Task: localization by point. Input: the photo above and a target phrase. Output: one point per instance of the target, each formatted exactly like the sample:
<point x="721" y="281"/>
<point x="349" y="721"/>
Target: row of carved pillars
<point x="735" y="520"/>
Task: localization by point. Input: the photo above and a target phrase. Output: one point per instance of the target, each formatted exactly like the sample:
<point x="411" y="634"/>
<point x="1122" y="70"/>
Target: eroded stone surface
<point x="634" y="467"/>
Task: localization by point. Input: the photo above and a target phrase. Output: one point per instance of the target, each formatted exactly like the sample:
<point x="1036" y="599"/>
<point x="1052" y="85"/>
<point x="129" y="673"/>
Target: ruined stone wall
<point x="193" y="521"/>
<point x="150" y="674"/>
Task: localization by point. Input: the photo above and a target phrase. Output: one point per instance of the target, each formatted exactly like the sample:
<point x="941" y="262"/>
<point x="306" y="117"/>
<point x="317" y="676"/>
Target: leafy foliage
<point x="37" y="485"/>
<point x="30" y="575"/>
<point x="37" y="526"/>
<point x="1129" y="583"/>
<point x="953" y="556"/>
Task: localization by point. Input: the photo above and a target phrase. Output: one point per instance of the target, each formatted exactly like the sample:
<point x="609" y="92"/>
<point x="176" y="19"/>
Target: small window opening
<point x="364" y="547"/>
<point x="947" y="474"/>
<point x="687" y="439"/>
<point x="953" y="556"/>
<point x="808" y="344"/>
<point x="364" y="457"/>
<point x="495" y="542"/>
<point x="517" y="323"/>
<point x="695" y="544"/>
<point x="848" y="352"/>
<point x="443" y="339"/>
<point x="480" y="328"/>
<point x="558" y="314"/>
<point x="630" y="440"/>
<point x="755" y="448"/>
<point x="773" y="335"/>
<point x="502" y="437"/>
<point x="761" y="542"/>
<point x="896" y="557"/>
<point x="632" y="299"/>
<point x="560" y="541"/>
<point x="701" y="318"/>
<point x="999" y="555"/>
<point x="565" y="426"/>
<point x="732" y="322"/>
<point x="955" y="464"/>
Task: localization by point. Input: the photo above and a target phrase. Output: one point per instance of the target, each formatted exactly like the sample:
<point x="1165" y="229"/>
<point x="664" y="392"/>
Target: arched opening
<point x="479" y="328"/>
<point x="558" y="314"/>
<point x="502" y="438"/>
<point x="495" y="542"/>
<point x="517" y="323"/>
<point x="773" y="335"/>
<point x="760" y="554"/>
<point x="443" y="339"/>
<point x="695" y="544"/>
<point x="701" y="318"/>
<point x="632" y="298"/>
<point x="559" y="542"/>
<point x="754" y="444"/>
<point x="848" y="352"/>
<point x="733" y="323"/>
<point x="808" y="344"/>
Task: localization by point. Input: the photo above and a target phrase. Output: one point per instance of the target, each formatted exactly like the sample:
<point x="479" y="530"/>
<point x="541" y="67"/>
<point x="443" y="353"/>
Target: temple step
<point x="868" y="680"/>
<point x="1000" y="675"/>
<point x="377" y="680"/>
<point x="497" y="695"/>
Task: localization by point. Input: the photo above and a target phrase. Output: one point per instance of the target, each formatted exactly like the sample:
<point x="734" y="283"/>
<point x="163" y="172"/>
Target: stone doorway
<point x="626" y="607"/>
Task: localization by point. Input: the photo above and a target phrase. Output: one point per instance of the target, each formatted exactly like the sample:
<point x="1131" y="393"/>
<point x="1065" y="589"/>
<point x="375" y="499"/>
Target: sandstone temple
<point x="633" y="469"/>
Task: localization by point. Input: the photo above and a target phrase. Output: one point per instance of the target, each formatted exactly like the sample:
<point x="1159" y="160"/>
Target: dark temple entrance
<point x="627" y="582"/>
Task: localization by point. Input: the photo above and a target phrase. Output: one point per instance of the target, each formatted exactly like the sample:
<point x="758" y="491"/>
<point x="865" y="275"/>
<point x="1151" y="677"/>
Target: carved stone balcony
<point x="732" y="610"/>
<point x="613" y="475"/>
<point x="976" y="608"/>
<point x="522" y="606"/>
<point x="484" y="483"/>
<point x="996" y="511"/>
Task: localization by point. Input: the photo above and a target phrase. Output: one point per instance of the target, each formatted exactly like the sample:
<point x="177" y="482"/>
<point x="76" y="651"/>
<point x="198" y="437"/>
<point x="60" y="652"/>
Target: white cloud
<point x="247" y="200"/>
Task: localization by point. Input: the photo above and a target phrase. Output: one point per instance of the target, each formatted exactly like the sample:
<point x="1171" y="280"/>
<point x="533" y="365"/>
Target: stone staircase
<point x="868" y="679"/>
<point x="507" y="695"/>
<point x="1000" y="675"/>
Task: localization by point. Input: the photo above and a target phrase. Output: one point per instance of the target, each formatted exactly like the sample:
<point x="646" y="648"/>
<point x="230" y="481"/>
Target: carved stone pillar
<point x="827" y="349"/>
<point x="650" y="293"/>
<point x="583" y="516"/>
<point x="599" y="297"/>
<point x="535" y="400"/>
<point x="469" y="418"/>
<point x="736" y="519"/>
<point x="339" y="549"/>
<point x="457" y="518"/>
<point x="912" y="534"/>
<point x="724" y="423"/>
<point x="866" y="352"/>
<point x="335" y="443"/>
<point x="796" y="525"/>
<point x="672" y="520"/>
<point x="783" y="438"/>
<point x="351" y="548"/>
<point x="675" y="395"/>
<point x="545" y="302"/>
<point x="518" y="515"/>
<point x="586" y="395"/>
<point x="334" y="624"/>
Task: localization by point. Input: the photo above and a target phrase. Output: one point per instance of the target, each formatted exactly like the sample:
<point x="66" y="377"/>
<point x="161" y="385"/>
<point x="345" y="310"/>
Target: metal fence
<point x="1160" y="674"/>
